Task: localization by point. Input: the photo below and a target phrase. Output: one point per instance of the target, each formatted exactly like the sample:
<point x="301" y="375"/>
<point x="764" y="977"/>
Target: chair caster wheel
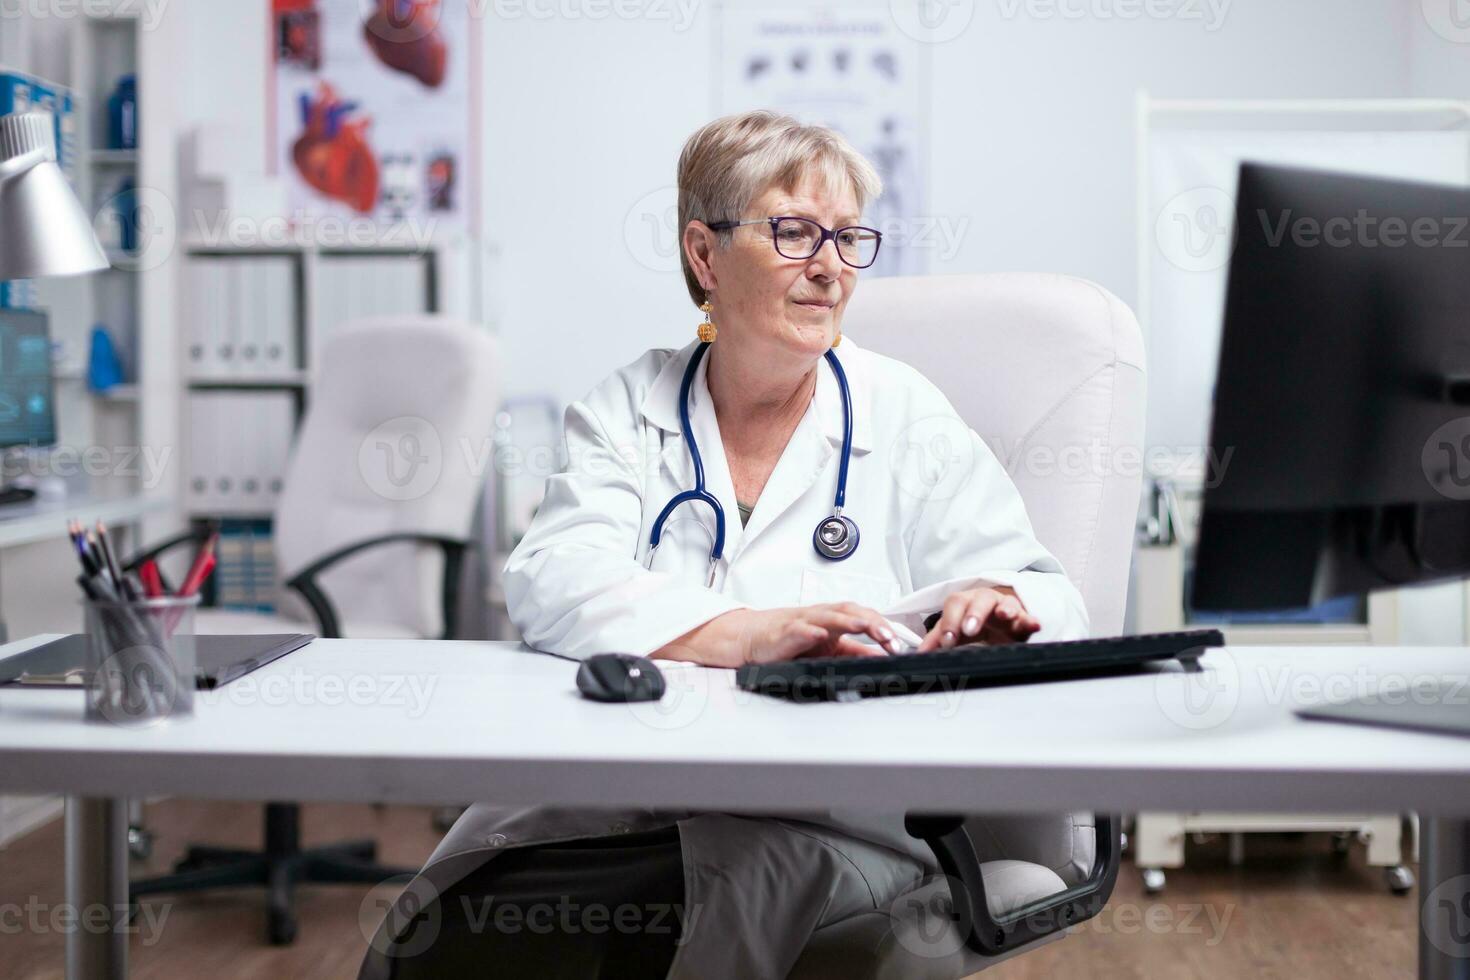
<point x="1400" y="879"/>
<point x="280" y="927"/>
<point x="1153" y="881"/>
<point x="140" y="843"/>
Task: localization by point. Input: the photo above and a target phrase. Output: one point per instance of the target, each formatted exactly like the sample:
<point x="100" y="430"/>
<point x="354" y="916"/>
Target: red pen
<point x="152" y="580"/>
<point x="203" y="564"/>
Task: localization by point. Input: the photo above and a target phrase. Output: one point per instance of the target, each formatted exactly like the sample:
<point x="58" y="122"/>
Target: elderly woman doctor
<point x="768" y="463"/>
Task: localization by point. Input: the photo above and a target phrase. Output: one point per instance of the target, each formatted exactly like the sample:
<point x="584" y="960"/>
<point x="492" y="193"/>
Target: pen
<point x="79" y="540"/>
<point x="109" y="559"/>
<point x="152" y="580"/>
<point x="203" y="564"/>
<point x="198" y="574"/>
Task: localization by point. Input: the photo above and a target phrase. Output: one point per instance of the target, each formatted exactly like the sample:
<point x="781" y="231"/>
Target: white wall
<point x="1439" y="53"/>
<point x="1031" y="127"/>
<point x="1032" y="149"/>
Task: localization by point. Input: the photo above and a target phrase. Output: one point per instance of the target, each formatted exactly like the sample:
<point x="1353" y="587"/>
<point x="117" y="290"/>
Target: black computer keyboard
<point x="972" y="665"/>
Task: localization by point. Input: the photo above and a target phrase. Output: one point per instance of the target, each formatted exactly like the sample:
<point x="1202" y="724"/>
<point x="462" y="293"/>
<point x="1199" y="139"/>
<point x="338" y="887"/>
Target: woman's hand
<point x="766" y="635"/>
<point x="987" y="615"/>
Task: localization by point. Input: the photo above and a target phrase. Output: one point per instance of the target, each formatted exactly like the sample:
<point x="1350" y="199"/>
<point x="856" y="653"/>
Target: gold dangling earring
<point x="707" y="329"/>
<point x="837" y="339"/>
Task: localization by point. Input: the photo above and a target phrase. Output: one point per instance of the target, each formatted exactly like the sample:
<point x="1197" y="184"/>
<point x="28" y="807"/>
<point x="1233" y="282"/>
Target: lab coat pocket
<point x="833" y="586"/>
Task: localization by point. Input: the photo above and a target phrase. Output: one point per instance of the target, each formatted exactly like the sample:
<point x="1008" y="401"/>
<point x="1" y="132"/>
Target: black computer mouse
<point x="616" y="677"/>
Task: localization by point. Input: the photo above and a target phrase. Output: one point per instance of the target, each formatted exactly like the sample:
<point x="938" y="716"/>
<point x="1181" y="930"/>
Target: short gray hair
<point x="730" y="161"/>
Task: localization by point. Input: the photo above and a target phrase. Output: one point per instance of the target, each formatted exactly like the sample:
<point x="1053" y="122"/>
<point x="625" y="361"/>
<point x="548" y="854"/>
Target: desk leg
<point x="97" y="888"/>
<point x="1444" y="899"/>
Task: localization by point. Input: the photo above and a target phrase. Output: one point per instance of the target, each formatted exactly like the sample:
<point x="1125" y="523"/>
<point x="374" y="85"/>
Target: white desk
<point x="438" y="721"/>
<point x="41" y="519"/>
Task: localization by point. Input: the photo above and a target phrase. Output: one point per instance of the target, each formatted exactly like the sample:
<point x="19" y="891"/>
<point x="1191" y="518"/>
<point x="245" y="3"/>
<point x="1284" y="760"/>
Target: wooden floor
<point x="1291" y="911"/>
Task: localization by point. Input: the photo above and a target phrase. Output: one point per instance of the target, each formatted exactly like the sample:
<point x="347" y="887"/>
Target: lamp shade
<point x="43" y="229"/>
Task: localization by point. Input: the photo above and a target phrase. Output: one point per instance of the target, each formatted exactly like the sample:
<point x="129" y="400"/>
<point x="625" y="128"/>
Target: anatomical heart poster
<point x="373" y="115"/>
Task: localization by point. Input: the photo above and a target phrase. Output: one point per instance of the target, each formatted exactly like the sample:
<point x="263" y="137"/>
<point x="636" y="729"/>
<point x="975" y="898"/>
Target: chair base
<point x="279" y="868"/>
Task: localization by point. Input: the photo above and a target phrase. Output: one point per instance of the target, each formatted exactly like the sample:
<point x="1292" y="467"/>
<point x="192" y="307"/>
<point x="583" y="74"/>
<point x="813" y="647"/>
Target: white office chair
<point x="374" y="516"/>
<point x="370" y="534"/>
<point x="1033" y="363"/>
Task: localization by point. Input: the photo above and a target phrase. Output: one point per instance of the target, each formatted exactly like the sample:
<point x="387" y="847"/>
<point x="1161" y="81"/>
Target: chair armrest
<point x="991" y="935"/>
<point x="1063" y="842"/>
<point x="329" y="626"/>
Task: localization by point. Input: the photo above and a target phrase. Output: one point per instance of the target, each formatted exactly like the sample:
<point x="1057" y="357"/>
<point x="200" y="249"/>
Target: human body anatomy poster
<point x="372" y="110"/>
<point x="850" y="68"/>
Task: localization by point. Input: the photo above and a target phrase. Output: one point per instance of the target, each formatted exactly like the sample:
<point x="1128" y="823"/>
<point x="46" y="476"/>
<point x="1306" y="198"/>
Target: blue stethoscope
<point x="836" y="536"/>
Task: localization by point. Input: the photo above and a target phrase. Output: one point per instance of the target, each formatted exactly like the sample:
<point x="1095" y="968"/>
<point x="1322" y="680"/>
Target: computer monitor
<point x="1342" y="401"/>
<point x="27" y="417"/>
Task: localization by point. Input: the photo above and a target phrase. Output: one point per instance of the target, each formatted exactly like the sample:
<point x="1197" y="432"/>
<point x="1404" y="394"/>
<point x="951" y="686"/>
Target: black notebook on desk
<point x="222" y="658"/>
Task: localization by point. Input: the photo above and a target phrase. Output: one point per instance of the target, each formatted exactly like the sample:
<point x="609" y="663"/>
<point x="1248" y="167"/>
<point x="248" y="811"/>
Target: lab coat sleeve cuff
<point x="701" y="605"/>
<point x="1048" y="596"/>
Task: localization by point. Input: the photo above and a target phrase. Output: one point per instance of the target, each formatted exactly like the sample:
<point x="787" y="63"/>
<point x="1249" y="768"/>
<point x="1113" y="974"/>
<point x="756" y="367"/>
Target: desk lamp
<point x="43" y="229"/>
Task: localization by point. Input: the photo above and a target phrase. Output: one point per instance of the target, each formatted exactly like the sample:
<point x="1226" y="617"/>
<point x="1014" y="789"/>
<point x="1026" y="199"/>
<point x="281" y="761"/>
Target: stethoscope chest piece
<point x="836" y="537"/>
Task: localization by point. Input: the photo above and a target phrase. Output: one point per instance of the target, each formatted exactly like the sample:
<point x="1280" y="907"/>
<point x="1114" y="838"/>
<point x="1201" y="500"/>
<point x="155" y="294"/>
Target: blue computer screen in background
<point x="26" y="414"/>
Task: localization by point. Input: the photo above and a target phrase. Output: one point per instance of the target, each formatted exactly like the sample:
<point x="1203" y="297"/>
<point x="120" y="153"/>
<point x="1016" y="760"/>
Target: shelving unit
<point x="102" y="42"/>
<point x="104" y="47"/>
<point x="330" y="286"/>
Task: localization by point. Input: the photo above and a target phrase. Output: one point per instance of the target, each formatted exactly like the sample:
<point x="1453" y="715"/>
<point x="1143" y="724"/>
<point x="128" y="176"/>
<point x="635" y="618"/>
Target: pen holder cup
<point x="141" y="660"/>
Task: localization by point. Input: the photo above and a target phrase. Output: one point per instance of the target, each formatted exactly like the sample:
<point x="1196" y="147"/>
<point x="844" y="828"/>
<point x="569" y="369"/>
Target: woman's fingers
<point x="974" y="616"/>
<point x="849" y="617"/>
<point x="848" y="647"/>
<point x="822" y="631"/>
<point x="1012" y="619"/>
<point x="961" y="610"/>
<point x="982" y="609"/>
<point x="980" y="615"/>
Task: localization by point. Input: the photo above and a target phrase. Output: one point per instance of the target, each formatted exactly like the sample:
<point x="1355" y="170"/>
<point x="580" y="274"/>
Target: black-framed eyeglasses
<point x="801" y="238"/>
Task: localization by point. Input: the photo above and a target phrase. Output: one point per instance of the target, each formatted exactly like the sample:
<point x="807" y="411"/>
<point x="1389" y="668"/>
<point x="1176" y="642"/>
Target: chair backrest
<point x="1049" y="370"/>
<point x="396" y="438"/>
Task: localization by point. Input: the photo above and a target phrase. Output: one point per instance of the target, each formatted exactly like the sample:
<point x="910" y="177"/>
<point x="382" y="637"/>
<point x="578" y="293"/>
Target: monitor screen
<point x="1342" y="400"/>
<point x="26" y="414"/>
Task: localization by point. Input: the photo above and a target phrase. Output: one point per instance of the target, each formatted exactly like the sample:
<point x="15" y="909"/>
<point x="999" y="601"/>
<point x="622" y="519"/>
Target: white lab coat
<point x="937" y="513"/>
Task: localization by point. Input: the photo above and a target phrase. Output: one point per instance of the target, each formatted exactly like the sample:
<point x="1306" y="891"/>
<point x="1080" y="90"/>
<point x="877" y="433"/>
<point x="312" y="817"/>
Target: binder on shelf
<point x="245" y="577"/>
<point x="200" y="472"/>
<point x="227" y="322"/>
<point x="247" y="317"/>
<point x="239" y="445"/>
<point x="242" y="312"/>
<point x="279" y="348"/>
<point x="356" y="286"/>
